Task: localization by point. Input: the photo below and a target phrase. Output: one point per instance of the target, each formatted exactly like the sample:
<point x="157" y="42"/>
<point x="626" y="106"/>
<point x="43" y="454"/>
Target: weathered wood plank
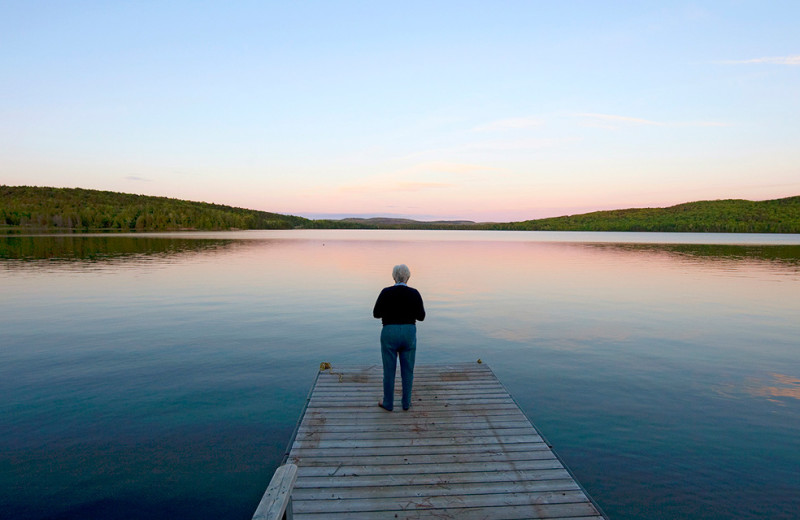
<point x="339" y="382"/>
<point x="332" y="505"/>
<point x="435" y="489"/>
<point x="555" y="511"/>
<point x="346" y="470"/>
<point x="337" y="397"/>
<point x="452" y="371"/>
<point x="424" y="396"/>
<point x="338" y="453"/>
<point x="375" y="376"/>
<point x="319" y="419"/>
<point x="331" y="434"/>
<point x="489" y="439"/>
<point x="430" y="384"/>
<point x="423" y="408"/>
<point x="463" y="424"/>
<point x="423" y="459"/>
<point x="432" y="479"/>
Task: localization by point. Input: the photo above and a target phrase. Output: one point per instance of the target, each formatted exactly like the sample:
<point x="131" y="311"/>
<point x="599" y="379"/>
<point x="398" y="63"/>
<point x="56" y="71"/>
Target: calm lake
<point x="161" y="375"/>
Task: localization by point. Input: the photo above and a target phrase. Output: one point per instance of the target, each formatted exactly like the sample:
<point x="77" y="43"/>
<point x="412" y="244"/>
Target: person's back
<point x="398" y="307"/>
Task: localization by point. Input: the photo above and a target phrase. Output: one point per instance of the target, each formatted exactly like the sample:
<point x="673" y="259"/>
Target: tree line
<point x="81" y="209"/>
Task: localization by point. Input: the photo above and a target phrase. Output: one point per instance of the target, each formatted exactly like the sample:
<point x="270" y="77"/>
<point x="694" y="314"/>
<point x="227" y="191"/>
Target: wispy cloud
<point x="773" y="60"/>
<point x="619" y="119"/>
<point x="445" y="167"/>
<point x="514" y="123"/>
<point x="137" y="179"/>
<point x="392" y="187"/>
<point x="521" y="144"/>
<point x="613" y="122"/>
<point x="419" y="186"/>
<point x="416" y="177"/>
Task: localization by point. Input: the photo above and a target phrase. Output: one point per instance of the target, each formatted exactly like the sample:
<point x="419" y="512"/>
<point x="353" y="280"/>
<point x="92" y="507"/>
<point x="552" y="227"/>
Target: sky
<point x="486" y="111"/>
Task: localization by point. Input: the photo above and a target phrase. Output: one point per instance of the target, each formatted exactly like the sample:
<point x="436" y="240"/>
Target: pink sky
<point x="336" y="111"/>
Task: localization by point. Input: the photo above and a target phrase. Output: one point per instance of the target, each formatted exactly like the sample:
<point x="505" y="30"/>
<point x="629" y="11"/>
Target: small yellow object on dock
<point x="464" y="451"/>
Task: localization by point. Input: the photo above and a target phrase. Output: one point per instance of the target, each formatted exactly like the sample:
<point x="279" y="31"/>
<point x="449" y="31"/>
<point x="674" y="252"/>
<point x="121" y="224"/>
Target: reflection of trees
<point x="32" y="250"/>
<point x="787" y="255"/>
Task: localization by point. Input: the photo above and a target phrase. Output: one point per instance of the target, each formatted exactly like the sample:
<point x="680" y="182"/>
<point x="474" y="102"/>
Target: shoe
<point x="380" y="403"/>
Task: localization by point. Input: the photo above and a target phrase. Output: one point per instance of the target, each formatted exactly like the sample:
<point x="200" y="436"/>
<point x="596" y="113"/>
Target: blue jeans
<point x="398" y="341"/>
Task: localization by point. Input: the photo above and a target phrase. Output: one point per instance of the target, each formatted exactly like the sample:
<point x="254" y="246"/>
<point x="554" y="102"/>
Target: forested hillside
<point x="75" y="208"/>
<point x="80" y="209"/>
<point x="717" y="216"/>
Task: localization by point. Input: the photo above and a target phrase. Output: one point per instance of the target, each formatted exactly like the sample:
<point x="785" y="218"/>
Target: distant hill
<point x="385" y="222"/>
<point x="88" y="210"/>
<point x="716" y="216"/>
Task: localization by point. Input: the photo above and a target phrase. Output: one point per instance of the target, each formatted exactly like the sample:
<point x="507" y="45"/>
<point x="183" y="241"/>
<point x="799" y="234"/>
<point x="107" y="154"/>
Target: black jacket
<point x="399" y="305"/>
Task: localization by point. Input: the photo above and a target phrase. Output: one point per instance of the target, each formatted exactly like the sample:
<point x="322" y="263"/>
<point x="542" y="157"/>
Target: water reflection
<point x="782" y="386"/>
<point x="775" y="387"/>
<point x="632" y="359"/>
<point x="98" y="247"/>
<point x="779" y="255"/>
<point x="34" y="252"/>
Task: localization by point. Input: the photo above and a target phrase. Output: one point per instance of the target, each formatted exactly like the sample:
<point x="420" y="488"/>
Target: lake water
<point x="161" y="375"/>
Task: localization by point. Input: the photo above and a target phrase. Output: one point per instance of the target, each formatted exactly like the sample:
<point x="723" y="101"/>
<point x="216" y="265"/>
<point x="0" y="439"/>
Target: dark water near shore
<point x="161" y="376"/>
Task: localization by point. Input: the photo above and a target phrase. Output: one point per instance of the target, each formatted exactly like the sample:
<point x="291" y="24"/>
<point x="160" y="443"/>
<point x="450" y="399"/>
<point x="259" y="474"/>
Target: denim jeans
<point x="398" y="341"/>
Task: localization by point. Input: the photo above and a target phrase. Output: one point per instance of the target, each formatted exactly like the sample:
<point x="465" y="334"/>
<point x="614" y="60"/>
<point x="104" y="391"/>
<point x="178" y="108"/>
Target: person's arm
<point x="420" y="309"/>
<point x="377" y="311"/>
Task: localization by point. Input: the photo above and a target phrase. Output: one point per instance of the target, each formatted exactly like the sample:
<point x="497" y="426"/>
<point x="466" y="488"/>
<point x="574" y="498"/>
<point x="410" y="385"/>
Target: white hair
<point x="401" y="273"/>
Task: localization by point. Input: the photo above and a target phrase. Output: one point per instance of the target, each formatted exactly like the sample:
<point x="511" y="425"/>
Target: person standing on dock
<point x="398" y="307"/>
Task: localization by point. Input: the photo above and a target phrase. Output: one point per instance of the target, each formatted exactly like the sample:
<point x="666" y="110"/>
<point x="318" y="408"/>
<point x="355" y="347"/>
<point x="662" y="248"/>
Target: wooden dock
<point x="464" y="451"/>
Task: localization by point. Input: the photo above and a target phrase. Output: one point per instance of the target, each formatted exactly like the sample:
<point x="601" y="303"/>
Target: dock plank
<point x="432" y="479"/>
<point x="465" y="450"/>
